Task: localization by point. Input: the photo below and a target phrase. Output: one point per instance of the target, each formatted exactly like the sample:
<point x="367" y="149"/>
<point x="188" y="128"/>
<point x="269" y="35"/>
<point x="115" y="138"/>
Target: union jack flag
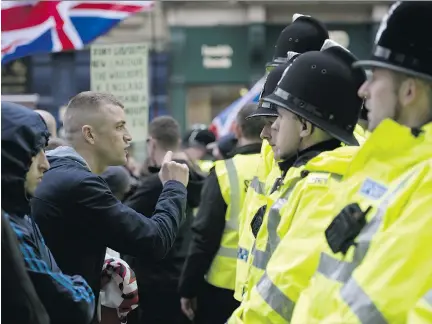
<point x="224" y="123"/>
<point x="30" y="26"/>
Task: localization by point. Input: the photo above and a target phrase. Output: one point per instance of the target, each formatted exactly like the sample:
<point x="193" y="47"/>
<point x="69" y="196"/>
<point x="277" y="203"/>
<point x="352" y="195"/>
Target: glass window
<point x="205" y="102"/>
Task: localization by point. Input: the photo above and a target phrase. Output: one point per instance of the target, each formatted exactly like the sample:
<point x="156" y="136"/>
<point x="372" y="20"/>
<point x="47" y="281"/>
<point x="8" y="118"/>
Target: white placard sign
<point x="122" y="70"/>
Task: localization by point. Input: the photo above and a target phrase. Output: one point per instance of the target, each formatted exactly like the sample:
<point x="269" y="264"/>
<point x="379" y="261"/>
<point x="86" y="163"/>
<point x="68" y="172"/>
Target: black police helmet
<point x="401" y="43"/>
<point x="359" y="75"/>
<point x="267" y="109"/>
<point x="304" y="34"/>
<point x="322" y="88"/>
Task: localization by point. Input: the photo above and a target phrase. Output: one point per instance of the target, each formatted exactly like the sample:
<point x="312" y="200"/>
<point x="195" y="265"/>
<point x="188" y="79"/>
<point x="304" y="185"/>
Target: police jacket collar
<point x="254" y="148"/>
<point x="305" y="155"/>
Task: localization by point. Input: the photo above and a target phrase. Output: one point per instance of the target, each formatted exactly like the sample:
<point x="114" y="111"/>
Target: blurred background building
<point x="205" y="54"/>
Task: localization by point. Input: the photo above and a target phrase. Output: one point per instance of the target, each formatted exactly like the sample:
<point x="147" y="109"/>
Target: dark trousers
<point x="158" y="307"/>
<point x="215" y="305"/>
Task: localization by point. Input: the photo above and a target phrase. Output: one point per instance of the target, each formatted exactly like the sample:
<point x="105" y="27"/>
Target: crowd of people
<point x="314" y="209"/>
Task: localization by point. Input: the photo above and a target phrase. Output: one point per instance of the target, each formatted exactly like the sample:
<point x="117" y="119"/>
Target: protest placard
<point x="122" y="70"/>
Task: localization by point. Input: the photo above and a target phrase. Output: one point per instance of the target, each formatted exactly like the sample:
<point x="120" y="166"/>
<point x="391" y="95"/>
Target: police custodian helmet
<point x="304" y="34"/>
<point x="322" y="88"/>
<point x="403" y="42"/>
<point x="265" y="108"/>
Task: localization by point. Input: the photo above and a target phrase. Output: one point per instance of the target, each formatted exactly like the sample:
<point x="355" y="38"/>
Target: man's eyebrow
<point x="121" y="123"/>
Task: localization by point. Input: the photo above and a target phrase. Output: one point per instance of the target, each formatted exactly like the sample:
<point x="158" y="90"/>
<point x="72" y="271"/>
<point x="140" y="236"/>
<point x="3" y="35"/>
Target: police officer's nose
<point x="362" y="91"/>
<point x="265" y="133"/>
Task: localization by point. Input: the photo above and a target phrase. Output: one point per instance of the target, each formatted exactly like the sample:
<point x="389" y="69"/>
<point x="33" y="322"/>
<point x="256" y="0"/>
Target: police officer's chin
<point x="283" y="156"/>
<point x="277" y="154"/>
<point x="275" y="150"/>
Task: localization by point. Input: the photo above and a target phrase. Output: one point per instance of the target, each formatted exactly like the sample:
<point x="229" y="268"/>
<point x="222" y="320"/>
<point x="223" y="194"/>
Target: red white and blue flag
<point x="30" y="26"/>
<point x="223" y="123"/>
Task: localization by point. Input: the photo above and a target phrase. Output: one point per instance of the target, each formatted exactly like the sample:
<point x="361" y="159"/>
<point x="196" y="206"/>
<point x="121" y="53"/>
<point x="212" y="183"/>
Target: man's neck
<point x="177" y="155"/>
<point x="93" y="163"/>
<point x="245" y="141"/>
<point x="415" y="120"/>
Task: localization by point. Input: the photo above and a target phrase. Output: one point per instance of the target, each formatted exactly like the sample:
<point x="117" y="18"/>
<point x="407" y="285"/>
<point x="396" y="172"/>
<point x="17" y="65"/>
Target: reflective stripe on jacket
<point x="296" y="258"/>
<point x="390" y="257"/>
<point x="233" y="176"/>
<point x="273" y="297"/>
<point x="266" y="173"/>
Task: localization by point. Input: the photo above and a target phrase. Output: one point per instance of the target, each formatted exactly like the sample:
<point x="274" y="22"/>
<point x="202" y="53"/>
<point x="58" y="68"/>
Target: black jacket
<point x="80" y="218"/>
<point x="207" y="230"/>
<point x="164" y="274"/>
<point x="66" y="299"/>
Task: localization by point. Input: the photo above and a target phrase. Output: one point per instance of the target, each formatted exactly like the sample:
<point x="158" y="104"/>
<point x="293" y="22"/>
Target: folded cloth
<point x="111" y="253"/>
<point x="119" y="287"/>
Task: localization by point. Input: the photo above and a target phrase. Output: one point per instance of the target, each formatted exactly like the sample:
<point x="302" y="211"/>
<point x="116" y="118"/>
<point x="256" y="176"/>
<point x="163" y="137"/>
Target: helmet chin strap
<point x="298" y="150"/>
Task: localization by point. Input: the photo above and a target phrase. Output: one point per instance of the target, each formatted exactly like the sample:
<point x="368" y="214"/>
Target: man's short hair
<point x="166" y="130"/>
<point x="85" y="101"/>
<point x="93" y="99"/>
<point x="251" y="127"/>
<point x="50" y="121"/>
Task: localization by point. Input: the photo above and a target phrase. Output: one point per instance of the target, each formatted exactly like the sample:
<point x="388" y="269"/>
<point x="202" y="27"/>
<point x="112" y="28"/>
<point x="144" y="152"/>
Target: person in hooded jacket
<point x="23" y="305"/>
<point x="74" y="207"/>
<point x="158" y="281"/>
<point x="67" y="299"/>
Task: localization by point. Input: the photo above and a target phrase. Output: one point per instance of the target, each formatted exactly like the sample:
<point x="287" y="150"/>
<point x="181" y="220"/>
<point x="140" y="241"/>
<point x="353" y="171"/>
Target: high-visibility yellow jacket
<point x="256" y="198"/>
<point x="381" y="276"/>
<point x="422" y="311"/>
<point x="360" y="134"/>
<point x="261" y="184"/>
<point x="233" y="176"/>
<point x="296" y="257"/>
<point x="205" y="165"/>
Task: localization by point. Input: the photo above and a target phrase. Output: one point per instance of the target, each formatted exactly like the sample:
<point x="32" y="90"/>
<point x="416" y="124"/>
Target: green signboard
<point x="211" y="54"/>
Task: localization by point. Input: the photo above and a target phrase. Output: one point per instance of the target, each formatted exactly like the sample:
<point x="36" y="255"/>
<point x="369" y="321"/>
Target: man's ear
<point x="408" y="92"/>
<point x="306" y="129"/>
<point x="88" y="134"/>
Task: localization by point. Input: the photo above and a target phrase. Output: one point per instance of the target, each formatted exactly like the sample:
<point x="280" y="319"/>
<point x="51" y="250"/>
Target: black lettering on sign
<point x="97" y="64"/>
<point x="101" y="51"/>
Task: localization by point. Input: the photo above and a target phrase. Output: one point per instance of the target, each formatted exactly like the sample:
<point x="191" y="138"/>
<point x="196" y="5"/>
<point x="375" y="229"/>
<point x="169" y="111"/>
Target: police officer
<point x="377" y="264"/>
<point x="213" y="250"/>
<point x="304" y="34"/>
<point x="318" y="108"/>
